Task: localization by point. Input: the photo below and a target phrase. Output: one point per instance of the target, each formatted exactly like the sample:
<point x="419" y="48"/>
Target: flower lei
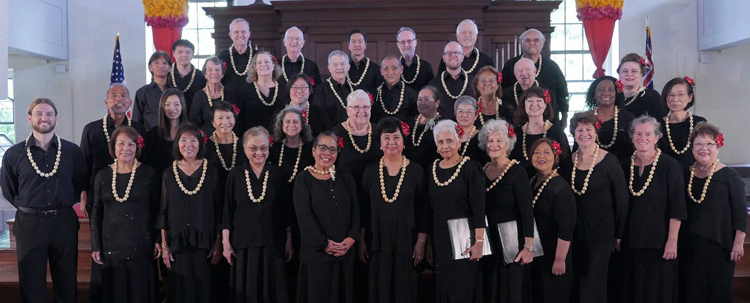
<point x="382" y="103"/>
<point x="463" y="89"/>
<point x="192" y="77"/>
<point x="404" y="163"/>
<point x="599" y="124"/>
<point x="231" y="60"/>
<point x="416" y="74"/>
<point x="283" y="71"/>
<point x="361" y="78"/>
<point x="104" y="126"/>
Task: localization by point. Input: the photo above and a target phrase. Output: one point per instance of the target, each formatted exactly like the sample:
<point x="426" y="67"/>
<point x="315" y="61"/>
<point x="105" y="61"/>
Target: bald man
<point x="454" y="81"/>
<point x="466" y="35"/>
<point x="294" y="61"/>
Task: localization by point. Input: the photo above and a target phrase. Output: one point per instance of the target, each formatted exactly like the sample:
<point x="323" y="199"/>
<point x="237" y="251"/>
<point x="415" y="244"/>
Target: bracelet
<point x="479" y="240"/>
<point x="163" y="246"/>
<point x="420" y="240"/>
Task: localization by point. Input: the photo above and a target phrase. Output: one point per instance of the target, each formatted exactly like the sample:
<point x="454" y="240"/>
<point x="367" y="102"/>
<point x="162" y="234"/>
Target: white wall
<point x="721" y="83"/>
<point x="39" y="28"/>
<point x="4" y="5"/>
<point x="719" y="26"/>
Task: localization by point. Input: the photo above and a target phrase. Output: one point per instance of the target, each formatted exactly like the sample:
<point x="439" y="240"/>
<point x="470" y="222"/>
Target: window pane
<point x="578" y="86"/>
<point x="557" y="38"/>
<point x="573" y="37"/>
<point x="570" y="11"/>
<point x="558" y="15"/>
<point x="574" y="67"/>
<point x="577" y="102"/>
<point x="588" y="67"/>
<point x="560" y="60"/>
<point x="205" y="43"/>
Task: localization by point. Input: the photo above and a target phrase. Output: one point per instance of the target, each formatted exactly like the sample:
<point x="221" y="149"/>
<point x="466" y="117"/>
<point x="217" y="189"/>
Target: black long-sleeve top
<point x="199" y="82"/>
<point x="510" y="200"/>
<point x="723" y="212"/>
<point x="326" y="210"/>
<point x="647" y="102"/>
<point x="601" y="211"/>
<point x="293" y="67"/>
<point x="473" y="150"/>
<point x="253" y="224"/>
<point x="190" y="221"/>
<point x="95" y="147"/>
<point x="389" y="97"/>
<point x="324" y="97"/>
<point x="158" y="151"/>
<point x="146" y="105"/>
<point x="231" y="78"/>
<point x="505" y="111"/>
<point x="372" y="77"/>
<point x="23" y="187"/>
<point x="426" y="73"/>
<point x="550" y="76"/>
<point x="257" y="113"/>
<point x="469" y="59"/>
<point x="664" y="199"/>
<point x="290" y="157"/>
<point x="680" y="133"/>
<point x="454" y="86"/>
<point x="395" y="225"/>
<point x="554" y="133"/>
<point x="555" y="216"/>
<point x="125" y="230"/>
<point x="424" y="153"/>
<point x="221" y="173"/>
<point x="623" y="147"/>
<point x="200" y="109"/>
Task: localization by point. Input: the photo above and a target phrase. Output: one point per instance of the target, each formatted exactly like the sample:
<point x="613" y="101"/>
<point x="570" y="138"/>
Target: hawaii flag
<point x="648" y="79"/>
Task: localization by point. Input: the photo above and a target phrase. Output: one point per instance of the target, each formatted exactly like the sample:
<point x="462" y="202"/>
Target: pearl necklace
<point x="179" y="182"/>
<point x="416" y="74"/>
<point x="208" y="95"/>
<point x="130" y="181"/>
<point x="400" y="180"/>
<point x="400" y="100"/>
<point x="669" y="136"/>
<point x="614" y="132"/>
<point x="331" y="171"/>
<point x="705" y="186"/>
<point x="466" y="146"/>
<point x="106" y="133"/>
<point x="539" y="70"/>
<point x="351" y="89"/>
<point x="463" y="89"/>
<point x="453" y="177"/>
<point x="525" y="127"/>
<point x="218" y="152"/>
<point x="500" y="177"/>
<point x="296" y="163"/>
<point x="588" y="175"/>
<point x="544" y="185"/>
<point x="351" y="137"/>
<point x="650" y="174"/>
<point x="57" y="159"/>
<point x="497" y="110"/>
<point x="515" y="90"/>
<point x="192" y="77"/>
<point x="275" y="93"/>
<point x="231" y="60"/>
<point x="641" y="90"/>
<point x="361" y="78"/>
<point x="283" y="71"/>
<point x="250" y="188"/>
<point x="428" y="125"/>
<point x="476" y="61"/>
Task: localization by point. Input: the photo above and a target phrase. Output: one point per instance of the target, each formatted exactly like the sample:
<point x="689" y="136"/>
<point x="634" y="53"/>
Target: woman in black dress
<point x="508" y="199"/>
<point x="711" y="243"/>
<point x="263" y="96"/>
<point x="420" y="145"/>
<point x="639" y="100"/>
<point x="123" y="239"/>
<point x="533" y="121"/>
<point x="325" y="201"/>
<point x="172" y="114"/>
<point x="189" y="230"/>
<point x="466" y="110"/>
<point x="486" y="85"/>
<point x="555" y="216"/>
<point x="399" y="217"/>
<point x="203" y="100"/>
<point x="605" y="101"/>
<point x="657" y="208"/>
<point x="456" y="191"/>
<point x="679" y="122"/>
<point x="255" y="225"/>
<point x="597" y="180"/>
<point x="299" y="89"/>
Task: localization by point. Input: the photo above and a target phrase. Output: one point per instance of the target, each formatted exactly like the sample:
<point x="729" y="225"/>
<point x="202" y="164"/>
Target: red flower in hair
<point x="225" y="65"/>
<point x="235" y="109"/>
<point x="556" y="147"/>
<point x="598" y="123"/>
<point x="304" y="114"/>
<point x="129" y="114"/>
<point x="547" y="97"/>
<point x="690" y="81"/>
<point x="479" y="108"/>
<point x="270" y="140"/>
<point x="312" y="82"/>
<point x="372" y="99"/>
<point x="341" y="142"/>
<point x="205" y="138"/>
<point x="275" y="62"/>
<point x="405" y="128"/>
<point x="618" y="85"/>
<point x="511" y="132"/>
<point x="459" y="130"/>
<point x="499" y="77"/>
<point x="719" y="140"/>
<point x="140" y="142"/>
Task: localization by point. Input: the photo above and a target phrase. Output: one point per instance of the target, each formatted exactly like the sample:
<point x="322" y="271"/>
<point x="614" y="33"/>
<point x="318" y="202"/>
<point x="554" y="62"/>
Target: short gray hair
<point x="533" y="30"/>
<point x="465" y="100"/>
<point x="291" y="28"/>
<point x="389" y="57"/>
<point x="445" y="125"/>
<point x="496" y="126"/>
<point x="238" y="20"/>
<point x="117" y="84"/>
<point x="338" y="53"/>
<point x="214" y="60"/>
<point x="476" y="29"/>
<point x="645" y="119"/>
<point x="254" y="132"/>
<point x="405" y="29"/>
<point x="356" y="95"/>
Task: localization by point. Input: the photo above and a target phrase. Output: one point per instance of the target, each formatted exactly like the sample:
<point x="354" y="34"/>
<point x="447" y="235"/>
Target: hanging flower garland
<point x="165" y="13"/>
<point x="598" y="9"/>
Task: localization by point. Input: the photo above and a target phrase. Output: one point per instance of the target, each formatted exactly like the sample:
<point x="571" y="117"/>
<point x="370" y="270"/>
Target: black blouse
<point x="623" y="147"/>
<point x="555" y="216"/>
<point x="290" y="158"/>
<point x="190" y="221"/>
<point x="125" y="230"/>
<point x="198" y="83"/>
<point x="554" y="133"/>
<point x="256" y="112"/>
<point x="469" y="59"/>
<point x="680" y="133"/>
<point x="445" y="108"/>
<point x="389" y="98"/>
<point x="424" y="151"/>
<point x="326" y="210"/>
<point x="647" y="102"/>
<point x="426" y="73"/>
<point x="603" y="209"/>
<point x="253" y="224"/>
<point x="200" y="114"/>
<point x="221" y="172"/>
<point x="505" y="111"/>
<point x="664" y="199"/>
<point x="158" y="151"/>
<point x="510" y="200"/>
<point x="724" y="210"/>
<point x="325" y="97"/>
<point x="395" y="225"/>
<point x="372" y="77"/>
<point x="472" y="150"/>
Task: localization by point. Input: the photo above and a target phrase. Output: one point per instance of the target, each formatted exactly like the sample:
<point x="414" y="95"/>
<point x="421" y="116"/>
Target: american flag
<point x="648" y="79"/>
<point x="118" y="73"/>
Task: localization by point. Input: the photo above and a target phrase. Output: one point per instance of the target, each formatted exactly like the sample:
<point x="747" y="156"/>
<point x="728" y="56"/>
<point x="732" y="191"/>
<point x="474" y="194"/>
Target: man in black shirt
<point x="332" y="93"/>
<point x="363" y="73"/>
<point x="474" y="60"/>
<point x="525" y="71"/>
<point x="417" y="72"/>
<point x="237" y="57"/>
<point x="43" y="177"/>
<point x="453" y="82"/>
<point x="393" y="98"/>
<point x="146" y="105"/>
<point x="184" y="76"/>
<point x="294" y="61"/>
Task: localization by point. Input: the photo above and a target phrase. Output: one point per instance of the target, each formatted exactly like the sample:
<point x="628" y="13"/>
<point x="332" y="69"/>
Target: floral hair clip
<point x="235" y="109"/>
<point x="479" y="107"/>
<point x="499" y="77"/>
<point x="618" y="86"/>
<point x="372" y="99"/>
<point x="224" y="64"/>
<point x="643" y="61"/>
<point x="556" y="147"/>
<point x="719" y="140"/>
<point x="140" y="142"/>
<point x="341" y="142"/>
<point x="459" y="130"/>
<point x="312" y="82"/>
<point x="598" y="123"/>
<point x="275" y="62"/>
<point x="689" y="81"/>
<point x="405" y="128"/>
<point x="270" y="140"/>
<point x="511" y="132"/>
<point x="304" y="114"/>
<point x="205" y="138"/>
<point x="547" y="97"/>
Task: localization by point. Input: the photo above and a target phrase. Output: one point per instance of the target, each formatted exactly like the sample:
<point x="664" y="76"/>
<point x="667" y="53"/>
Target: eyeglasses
<point x="300" y="88"/>
<point x="706" y="145"/>
<point x="404" y="42"/>
<point x="425" y="100"/>
<point x="535" y="40"/>
<point x="677" y="95"/>
<point x="488" y="81"/>
<point x="451" y="54"/>
<point x="358" y="108"/>
<point x="327" y="149"/>
<point x="262" y="149"/>
<point x="465" y="112"/>
<point x="337" y="64"/>
<point x="295" y="39"/>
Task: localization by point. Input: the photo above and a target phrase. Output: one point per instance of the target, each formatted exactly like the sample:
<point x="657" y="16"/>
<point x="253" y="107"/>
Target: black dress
<point x="331" y="96"/>
<point x="200" y="109"/>
<point x="259" y="109"/>
<point x="650" y="278"/>
<point x="554" y="133"/>
<point x="257" y="233"/>
<point x="158" y="151"/>
<point x="679" y="132"/>
<point x="420" y="145"/>
<point x="390" y="99"/>
<point x="124" y="234"/>
<point x="189" y="85"/>
<point x="457" y="281"/>
<point x="601" y="217"/>
<point x="706" y="239"/>
<point x="509" y="200"/>
<point x="394" y="226"/>
<point x="555" y="217"/>
<point x="647" y="102"/>
<point x="191" y="229"/>
<point x="326" y="210"/>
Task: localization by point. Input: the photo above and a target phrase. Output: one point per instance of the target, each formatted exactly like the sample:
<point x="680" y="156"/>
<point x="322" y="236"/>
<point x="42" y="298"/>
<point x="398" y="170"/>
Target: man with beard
<point x="332" y="93"/>
<point x="363" y="73"/>
<point x="417" y="72"/>
<point x="236" y="58"/>
<point x="184" y="76"/>
<point x="466" y="35"/>
<point x="294" y="61"/>
<point x="393" y="97"/>
<point x="453" y="82"/>
<point x="43" y="177"/>
<point x="525" y="71"/>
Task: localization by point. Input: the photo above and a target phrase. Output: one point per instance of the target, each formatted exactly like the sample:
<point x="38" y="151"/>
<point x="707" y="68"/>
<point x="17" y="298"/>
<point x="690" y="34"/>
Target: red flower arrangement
<point x="405" y="128"/>
<point x="547" y="97"/>
<point x="205" y="138"/>
<point x="341" y="142"/>
<point x="618" y="86"/>
<point x="499" y="77"/>
<point x="511" y="132"/>
<point x="140" y="142"/>
<point x="598" y="123"/>
<point x="556" y="147"/>
<point x="690" y="81"/>
<point x="235" y="109"/>
<point x="719" y="140"/>
<point x="459" y="131"/>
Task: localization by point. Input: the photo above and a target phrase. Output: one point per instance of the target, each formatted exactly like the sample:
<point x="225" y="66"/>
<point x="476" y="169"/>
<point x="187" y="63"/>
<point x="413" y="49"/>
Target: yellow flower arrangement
<point x="599" y="3"/>
<point x="166" y="13"/>
<point x="597" y="9"/>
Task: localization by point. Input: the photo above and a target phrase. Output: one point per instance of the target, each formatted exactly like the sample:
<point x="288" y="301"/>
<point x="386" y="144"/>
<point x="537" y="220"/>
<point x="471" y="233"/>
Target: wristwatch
<point x="529" y="248"/>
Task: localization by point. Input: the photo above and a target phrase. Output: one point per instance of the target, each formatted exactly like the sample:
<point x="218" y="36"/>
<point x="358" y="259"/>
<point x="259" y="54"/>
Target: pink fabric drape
<point x="599" y="35"/>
